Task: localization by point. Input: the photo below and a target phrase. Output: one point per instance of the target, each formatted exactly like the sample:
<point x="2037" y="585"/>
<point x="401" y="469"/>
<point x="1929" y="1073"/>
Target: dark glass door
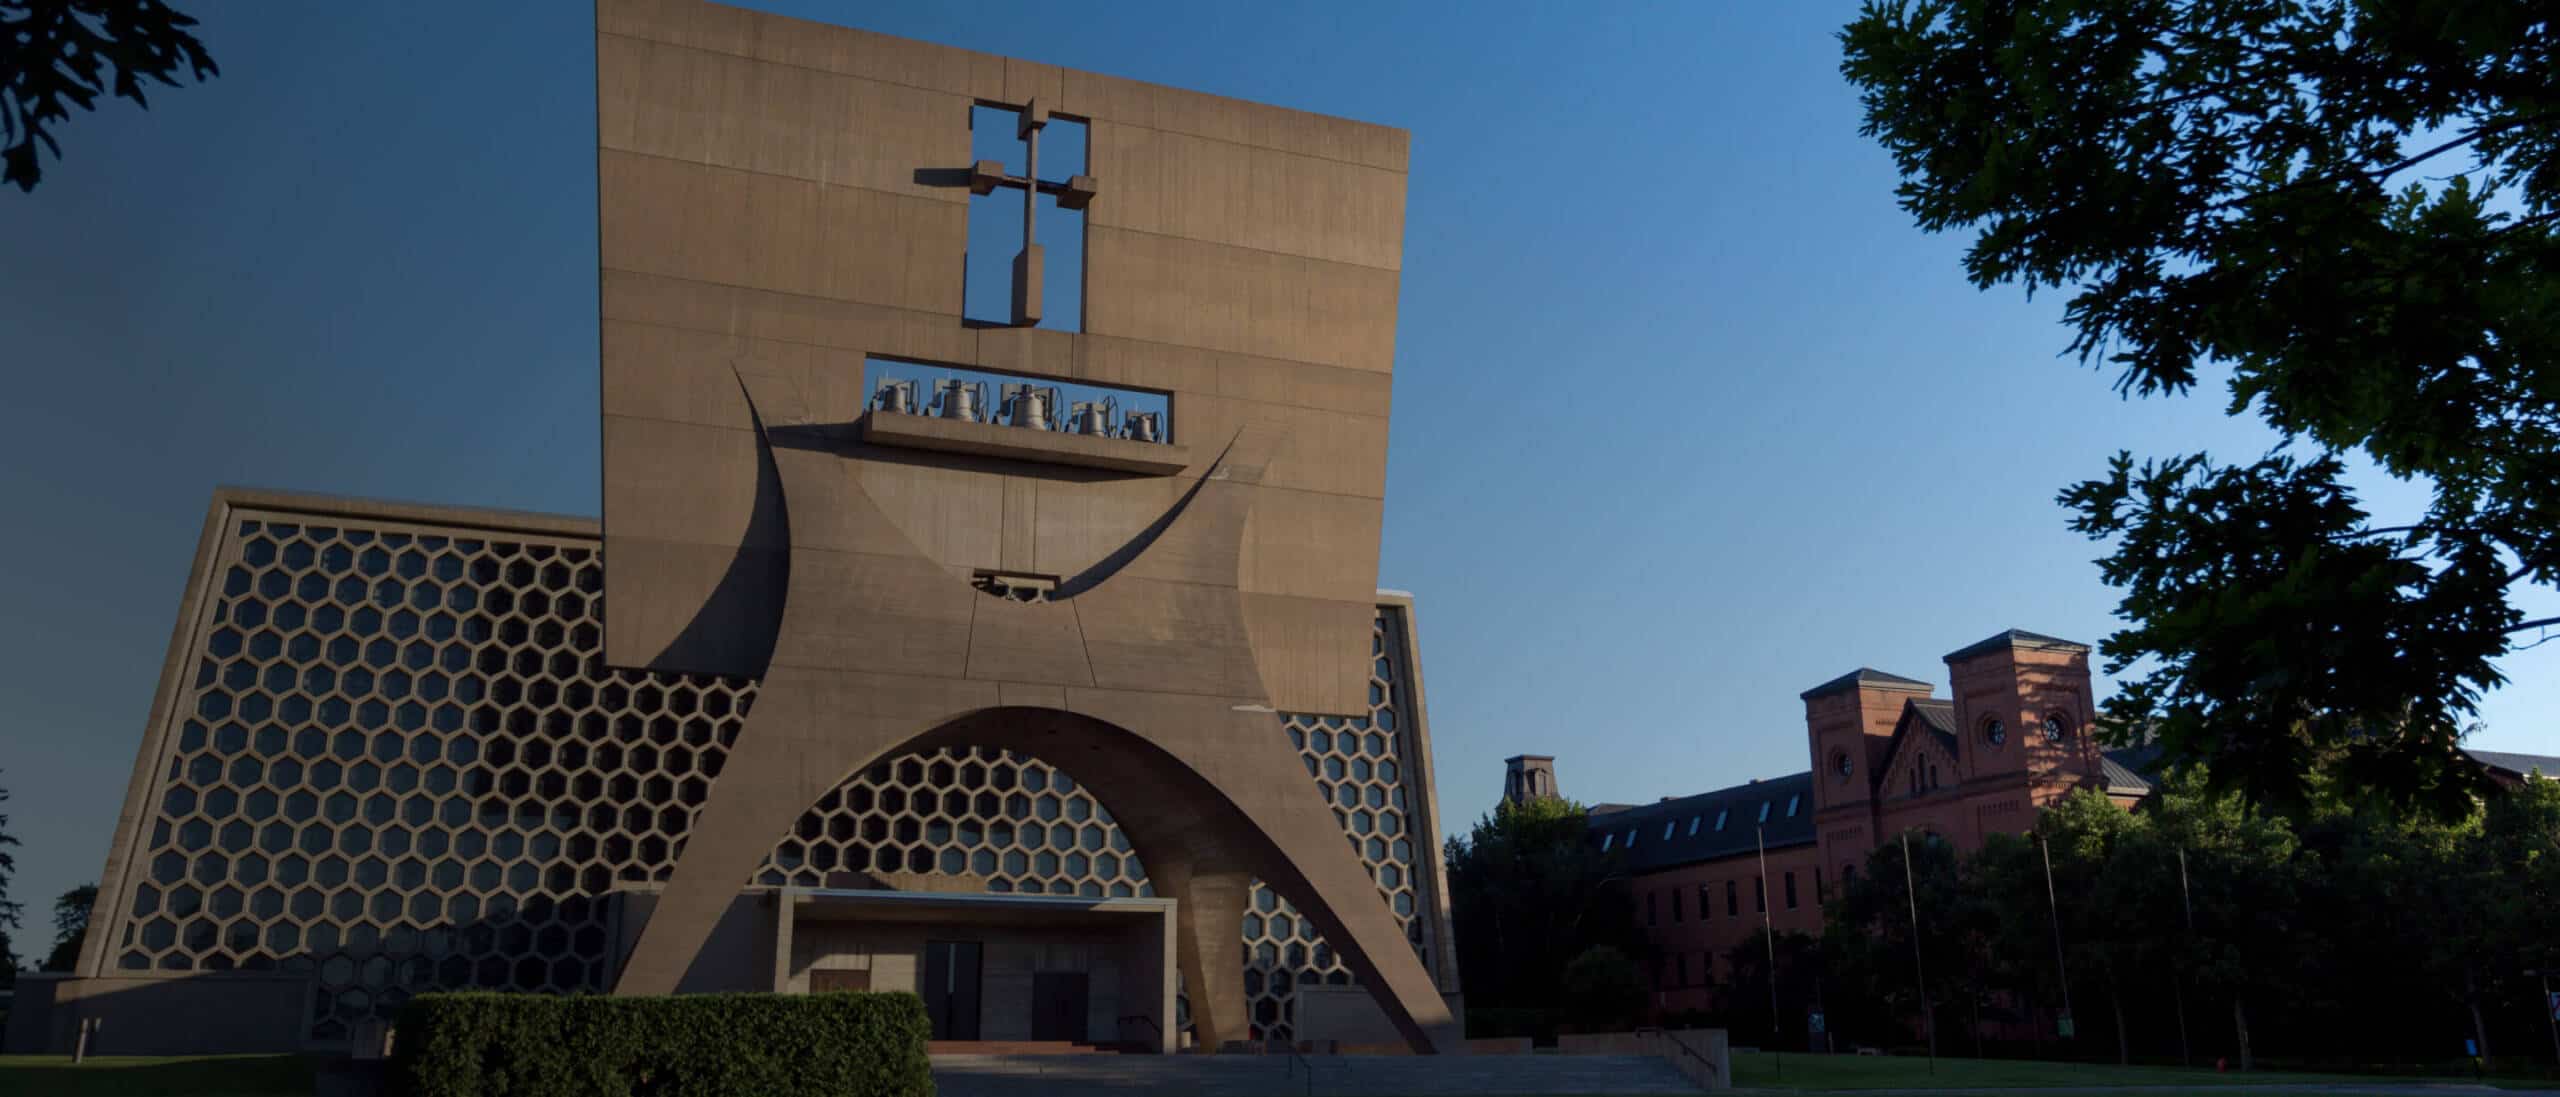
<point x="951" y="988"/>
<point x="1059" y="1000"/>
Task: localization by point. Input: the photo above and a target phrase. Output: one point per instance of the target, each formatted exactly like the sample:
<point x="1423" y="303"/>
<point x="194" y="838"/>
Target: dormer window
<point x="1694" y="820"/>
<point x="1669" y="826"/>
<point x="1764" y="811"/>
<point x="1607" y="841"/>
<point x="1794" y="802"/>
<point x="1720" y="814"/>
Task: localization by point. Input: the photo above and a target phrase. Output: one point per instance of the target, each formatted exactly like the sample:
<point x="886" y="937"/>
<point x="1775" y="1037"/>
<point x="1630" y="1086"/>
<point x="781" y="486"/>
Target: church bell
<point x="898" y="397"/>
<point x="1143" y="426"/>
<point x="962" y="400"/>
<point x="1030" y="406"/>
<point x="1092" y="417"/>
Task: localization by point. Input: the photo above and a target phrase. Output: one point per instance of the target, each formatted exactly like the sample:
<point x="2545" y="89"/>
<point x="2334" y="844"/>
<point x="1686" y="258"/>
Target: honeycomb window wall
<point x="397" y="764"/>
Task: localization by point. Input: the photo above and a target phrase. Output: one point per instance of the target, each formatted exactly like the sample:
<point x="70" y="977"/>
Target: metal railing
<point x="1296" y="1058"/>
<point x="1150" y="1022"/>
<point x="1664" y="1036"/>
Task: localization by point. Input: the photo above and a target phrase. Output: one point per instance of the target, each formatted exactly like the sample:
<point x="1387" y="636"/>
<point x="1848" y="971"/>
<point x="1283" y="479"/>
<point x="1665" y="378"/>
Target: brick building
<point x="1887" y="756"/>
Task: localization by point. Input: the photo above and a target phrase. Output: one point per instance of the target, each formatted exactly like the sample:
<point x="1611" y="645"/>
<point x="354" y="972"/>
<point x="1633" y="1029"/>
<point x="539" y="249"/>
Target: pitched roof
<point x="2129" y="770"/>
<point x="1694" y="831"/>
<point x="1940" y="717"/>
<point x="2518" y="764"/>
<point x="2016" y="638"/>
<point x="1869" y="677"/>
<point x="1933" y="716"/>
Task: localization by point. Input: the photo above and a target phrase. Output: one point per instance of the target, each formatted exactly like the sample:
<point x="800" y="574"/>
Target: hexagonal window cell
<point x="211" y="868"/>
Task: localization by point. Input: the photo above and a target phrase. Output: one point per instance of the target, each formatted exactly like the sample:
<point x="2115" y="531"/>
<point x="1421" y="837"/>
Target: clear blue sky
<point x="1688" y="416"/>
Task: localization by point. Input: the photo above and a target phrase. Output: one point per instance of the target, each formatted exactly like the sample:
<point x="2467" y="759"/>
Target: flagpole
<point x="1919" y="975"/>
<point x="1768" y="933"/>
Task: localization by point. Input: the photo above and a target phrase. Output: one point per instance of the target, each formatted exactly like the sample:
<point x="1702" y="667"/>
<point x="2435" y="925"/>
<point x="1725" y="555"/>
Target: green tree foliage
<point x="2352" y="208"/>
<point x="1603" y="990"/>
<point x="1529" y="894"/>
<point x="2354" y="937"/>
<point x="2101" y="933"/>
<point x="59" y="54"/>
<point x="70" y="926"/>
<point x="8" y="867"/>
<point x="1744" y="1001"/>
<point x="1869" y="931"/>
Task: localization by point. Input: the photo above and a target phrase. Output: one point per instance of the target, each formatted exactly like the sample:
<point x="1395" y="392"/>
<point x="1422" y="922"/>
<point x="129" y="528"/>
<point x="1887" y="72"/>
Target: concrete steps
<point x="985" y="1048"/>
<point x="1281" y="1076"/>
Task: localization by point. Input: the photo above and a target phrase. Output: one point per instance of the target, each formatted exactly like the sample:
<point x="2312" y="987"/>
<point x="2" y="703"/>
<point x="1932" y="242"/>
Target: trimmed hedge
<point x="689" y="1045"/>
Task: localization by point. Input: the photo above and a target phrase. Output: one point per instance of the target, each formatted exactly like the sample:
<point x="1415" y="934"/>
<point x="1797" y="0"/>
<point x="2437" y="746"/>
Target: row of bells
<point x="1033" y="407"/>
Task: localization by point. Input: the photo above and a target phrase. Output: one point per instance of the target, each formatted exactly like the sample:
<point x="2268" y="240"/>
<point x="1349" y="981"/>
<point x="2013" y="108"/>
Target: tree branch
<point x="2386" y="171"/>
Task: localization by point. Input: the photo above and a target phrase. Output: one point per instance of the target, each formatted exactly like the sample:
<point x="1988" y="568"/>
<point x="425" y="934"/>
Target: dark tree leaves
<point x="2354" y="209"/>
<point x="60" y="54"/>
<point x="70" y="926"/>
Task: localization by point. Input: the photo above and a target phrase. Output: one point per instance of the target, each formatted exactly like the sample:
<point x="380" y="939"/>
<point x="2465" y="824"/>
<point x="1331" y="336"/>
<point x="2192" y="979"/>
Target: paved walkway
<point x="1285" y="1076"/>
<point x="2380" y="1086"/>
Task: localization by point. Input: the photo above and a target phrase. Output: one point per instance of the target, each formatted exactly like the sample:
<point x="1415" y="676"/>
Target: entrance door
<point x="1059" y="1000"/>
<point x="823" y="980"/>
<point x="951" y="988"/>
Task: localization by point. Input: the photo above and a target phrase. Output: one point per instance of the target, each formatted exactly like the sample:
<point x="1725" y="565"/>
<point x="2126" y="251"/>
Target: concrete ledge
<point x="1023" y="444"/>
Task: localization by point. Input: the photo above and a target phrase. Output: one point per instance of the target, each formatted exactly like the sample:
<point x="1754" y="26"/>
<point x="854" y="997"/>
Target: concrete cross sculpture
<point x="1075" y="192"/>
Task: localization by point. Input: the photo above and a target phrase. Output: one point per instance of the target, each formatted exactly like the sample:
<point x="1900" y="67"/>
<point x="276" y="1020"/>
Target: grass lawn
<point x="156" y="1076"/>
<point x="1760" y="1069"/>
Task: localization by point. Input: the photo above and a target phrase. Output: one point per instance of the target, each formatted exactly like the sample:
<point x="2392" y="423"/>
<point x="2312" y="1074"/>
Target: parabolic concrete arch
<point x="1180" y="740"/>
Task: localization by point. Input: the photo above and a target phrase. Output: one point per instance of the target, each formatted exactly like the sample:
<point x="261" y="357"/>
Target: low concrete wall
<point x="1704" y="1055"/>
<point x="1348" y="1019"/>
<point x="30" y="1014"/>
<point x="162" y="1014"/>
<point x="1501" y="1045"/>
